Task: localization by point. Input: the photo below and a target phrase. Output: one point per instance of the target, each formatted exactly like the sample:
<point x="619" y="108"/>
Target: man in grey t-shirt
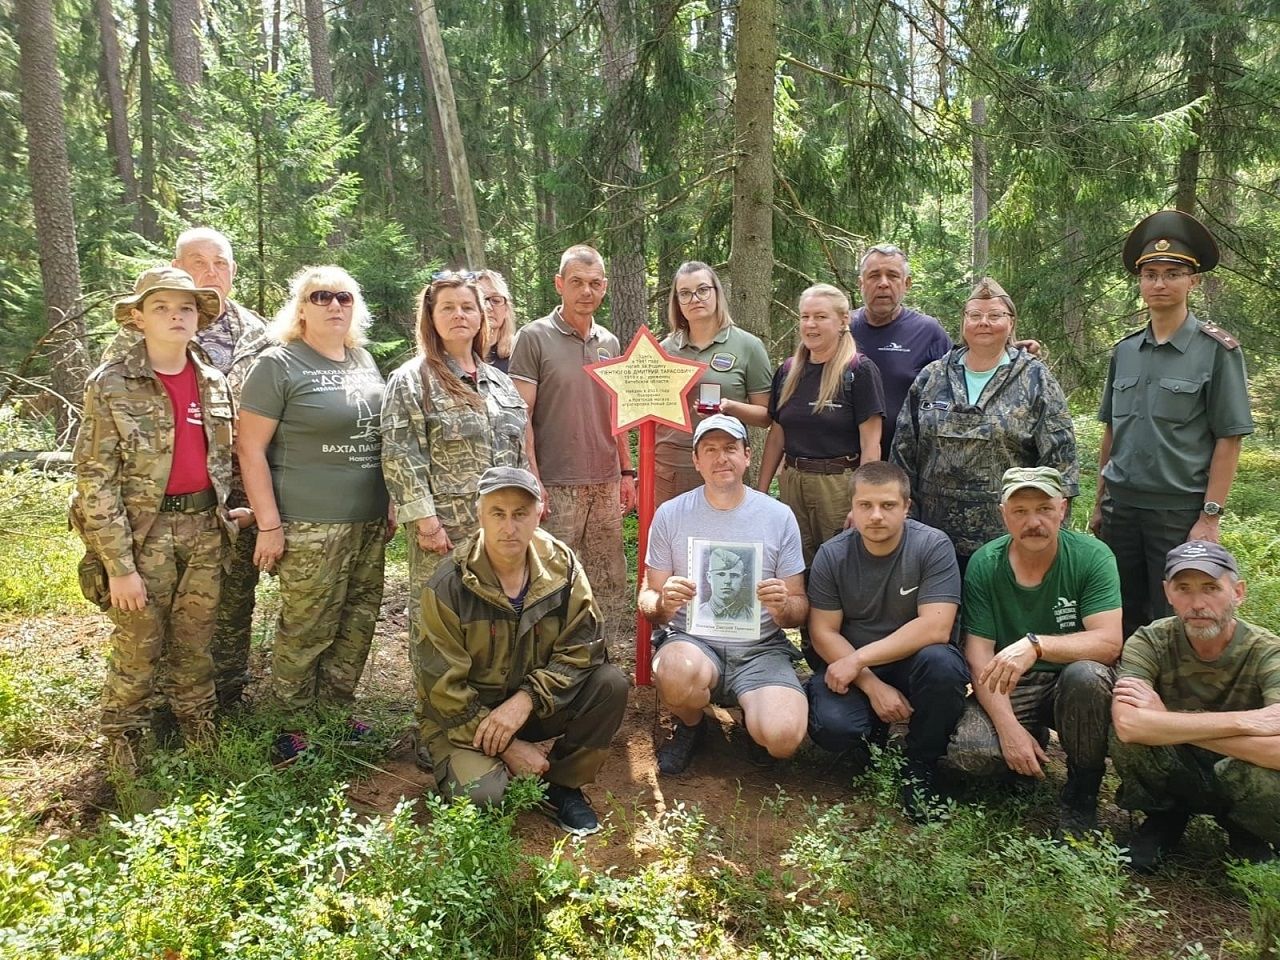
<point x="754" y="670"/>
<point x="883" y="598"/>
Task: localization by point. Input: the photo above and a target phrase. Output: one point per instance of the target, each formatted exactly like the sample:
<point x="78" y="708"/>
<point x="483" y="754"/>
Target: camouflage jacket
<point x="475" y="653"/>
<point x="435" y="448"/>
<point x="124" y="453"/>
<point x="955" y="452"/>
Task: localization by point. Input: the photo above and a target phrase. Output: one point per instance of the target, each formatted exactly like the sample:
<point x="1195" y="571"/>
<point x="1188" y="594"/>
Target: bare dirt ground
<point x="60" y="784"/>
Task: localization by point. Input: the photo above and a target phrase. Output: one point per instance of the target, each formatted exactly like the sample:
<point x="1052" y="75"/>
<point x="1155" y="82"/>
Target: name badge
<point x="935" y="405"/>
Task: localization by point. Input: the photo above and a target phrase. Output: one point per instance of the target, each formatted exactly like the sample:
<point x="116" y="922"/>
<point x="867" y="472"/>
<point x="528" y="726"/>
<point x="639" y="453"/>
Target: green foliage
<point x="1260" y="884"/>
<point x="38" y="554"/>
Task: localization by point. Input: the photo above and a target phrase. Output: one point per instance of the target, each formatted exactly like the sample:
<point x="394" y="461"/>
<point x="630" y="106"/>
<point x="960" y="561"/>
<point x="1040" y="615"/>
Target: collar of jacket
<point x="134" y="362"/>
<point x="548" y="571"/>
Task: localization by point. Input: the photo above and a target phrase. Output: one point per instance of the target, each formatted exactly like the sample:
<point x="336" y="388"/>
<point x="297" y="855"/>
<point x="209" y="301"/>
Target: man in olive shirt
<point x="1176" y="407"/>
<point x="1197" y="714"/>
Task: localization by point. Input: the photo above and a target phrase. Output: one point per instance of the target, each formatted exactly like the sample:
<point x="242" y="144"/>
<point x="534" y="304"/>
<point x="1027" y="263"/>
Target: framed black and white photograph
<point x="727" y="573"/>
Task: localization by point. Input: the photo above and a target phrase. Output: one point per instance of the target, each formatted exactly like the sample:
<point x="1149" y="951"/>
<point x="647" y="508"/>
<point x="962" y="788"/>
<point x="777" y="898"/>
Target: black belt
<point x="811" y="465"/>
<point x="189" y="502"/>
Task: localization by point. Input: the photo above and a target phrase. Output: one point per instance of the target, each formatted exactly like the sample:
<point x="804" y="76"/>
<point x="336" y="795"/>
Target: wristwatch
<point x="1211" y="509"/>
<point x="628" y="473"/>
<point x="1035" y="642"/>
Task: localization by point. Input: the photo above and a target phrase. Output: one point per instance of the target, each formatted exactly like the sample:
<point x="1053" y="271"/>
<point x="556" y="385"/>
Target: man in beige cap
<point x="153" y="469"/>
<point x="1042" y="633"/>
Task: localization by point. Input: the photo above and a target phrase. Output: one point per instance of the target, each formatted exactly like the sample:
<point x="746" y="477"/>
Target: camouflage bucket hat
<point x="208" y="300"/>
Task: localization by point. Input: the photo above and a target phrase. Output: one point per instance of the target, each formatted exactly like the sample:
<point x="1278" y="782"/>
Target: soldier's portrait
<point x="727" y="583"/>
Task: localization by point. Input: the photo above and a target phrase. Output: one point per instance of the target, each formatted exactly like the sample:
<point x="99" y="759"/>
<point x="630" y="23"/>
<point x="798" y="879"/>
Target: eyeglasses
<point x="972" y="316"/>
<point x="495" y="300"/>
<point x="701" y="293"/>
<point x="322" y="298"/>
<point x="465" y="275"/>
<point x="1154" y="276"/>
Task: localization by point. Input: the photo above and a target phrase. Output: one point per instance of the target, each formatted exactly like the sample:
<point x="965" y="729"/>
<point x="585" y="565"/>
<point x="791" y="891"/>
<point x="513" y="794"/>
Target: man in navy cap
<point x="1197" y="714"/>
<point x="1176" y="408"/>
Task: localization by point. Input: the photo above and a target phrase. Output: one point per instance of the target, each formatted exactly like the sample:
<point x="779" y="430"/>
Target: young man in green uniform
<point x="1197" y="714"/>
<point x="1042" y="631"/>
<point x="1176" y="407"/>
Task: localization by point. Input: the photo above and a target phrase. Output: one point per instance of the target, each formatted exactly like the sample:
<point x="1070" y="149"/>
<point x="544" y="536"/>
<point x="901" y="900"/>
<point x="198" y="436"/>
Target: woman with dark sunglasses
<point x="310" y="454"/>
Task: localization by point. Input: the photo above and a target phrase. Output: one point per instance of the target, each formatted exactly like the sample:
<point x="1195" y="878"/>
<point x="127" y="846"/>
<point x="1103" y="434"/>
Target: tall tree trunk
<point x="455" y="252"/>
<point x="1197" y="62"/>
<point x="318" y="40"/>
<point x="184" y="53"/>
<point x="118" y="129"/>
<point x="275" y="35"/>
<point x="147" y="201"/>
<point x="751" y="254"/>
<point x="436" y="75"/>
<point x="50" y="174"/>
<point x="626" y="206"/>
<point x="981" y="176"/>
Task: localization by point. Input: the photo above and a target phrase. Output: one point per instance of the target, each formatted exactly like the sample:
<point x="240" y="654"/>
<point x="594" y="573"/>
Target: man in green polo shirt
<point x="1042" y="634"/>
<point x="1176" y="407"/>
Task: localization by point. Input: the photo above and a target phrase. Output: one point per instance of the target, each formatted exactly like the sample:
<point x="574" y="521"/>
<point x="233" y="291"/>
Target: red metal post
<point x="644" y="514"/>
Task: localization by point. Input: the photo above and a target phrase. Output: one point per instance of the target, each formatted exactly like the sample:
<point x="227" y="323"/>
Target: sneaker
<point x="1244" y="845"/>
<point x="287" y="748"/>
<point x="674" y="755"/>
<point x="570" y="809"/>
<point x="917" y="796"/>
<point x="357" y="734"/>
<point x="1159" y="834"/>
<point x="759" y="757"/>
<point x="122" y="755"/>
<point x="421" y="755"/>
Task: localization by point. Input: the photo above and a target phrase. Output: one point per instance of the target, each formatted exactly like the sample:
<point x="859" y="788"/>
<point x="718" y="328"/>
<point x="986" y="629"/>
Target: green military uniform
<point x="476" y="652"/>
<point x="1245" y="677"/>
<point x="230" y="344"/>
<point x="736" y="360"/>
<point x="123" y="456"/>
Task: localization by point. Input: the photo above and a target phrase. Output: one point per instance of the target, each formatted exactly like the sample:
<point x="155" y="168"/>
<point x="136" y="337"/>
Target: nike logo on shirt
<point x="907" y="592"/>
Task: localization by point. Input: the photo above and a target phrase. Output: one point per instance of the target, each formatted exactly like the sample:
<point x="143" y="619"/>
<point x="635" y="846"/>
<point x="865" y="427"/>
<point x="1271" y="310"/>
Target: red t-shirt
<point x="190" y="470"/>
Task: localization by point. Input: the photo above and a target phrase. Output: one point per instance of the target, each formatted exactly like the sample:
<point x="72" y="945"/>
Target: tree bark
<point x="627" y="297"/>
<point x="455" y="251"/>
<point x="118" y="128"/>
<point x="436" y="75"/>
<point x="981" y="176"/>
<point x="751" y="253"/>
<point x="147" y="203"/>
<point x="1197" y="62"/>
<point x="42" y="113"/>
<point x="318" y="40"/>
<point x="184" y="53"/>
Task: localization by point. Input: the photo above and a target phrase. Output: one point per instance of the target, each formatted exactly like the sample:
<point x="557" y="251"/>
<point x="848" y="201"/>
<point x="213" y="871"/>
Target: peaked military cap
<point x="1170" y="236"/>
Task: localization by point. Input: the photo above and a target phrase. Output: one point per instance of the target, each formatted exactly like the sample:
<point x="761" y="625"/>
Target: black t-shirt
<point x="833" y="431"/>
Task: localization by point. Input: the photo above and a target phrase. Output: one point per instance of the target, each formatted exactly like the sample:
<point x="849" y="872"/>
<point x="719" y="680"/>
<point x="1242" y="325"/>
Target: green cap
<point x="1170" y="236"/>
<point x="1045" y="479"/>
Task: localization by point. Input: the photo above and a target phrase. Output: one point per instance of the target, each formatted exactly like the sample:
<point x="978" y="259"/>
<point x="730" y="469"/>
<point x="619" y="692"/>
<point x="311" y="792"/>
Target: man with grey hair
<point x="1197" y="714"/>
<point x="230" y="344"/>
<point x="901" y="341"/>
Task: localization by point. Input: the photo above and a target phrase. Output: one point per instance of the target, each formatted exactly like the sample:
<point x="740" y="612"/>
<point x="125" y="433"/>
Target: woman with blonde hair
<point x="737" y="366"/>
<point x="827" y="406"/>
<point x="309" y="450"/>
<point x="500" y="312"/>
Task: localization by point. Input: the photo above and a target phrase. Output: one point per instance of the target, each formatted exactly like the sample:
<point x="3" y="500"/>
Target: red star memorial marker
<point x="647" y="386"/>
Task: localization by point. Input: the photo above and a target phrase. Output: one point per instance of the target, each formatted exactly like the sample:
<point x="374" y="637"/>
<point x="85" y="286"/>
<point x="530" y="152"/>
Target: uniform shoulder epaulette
<point x="1215" y="331"/>
<point x="1131" y="334"/>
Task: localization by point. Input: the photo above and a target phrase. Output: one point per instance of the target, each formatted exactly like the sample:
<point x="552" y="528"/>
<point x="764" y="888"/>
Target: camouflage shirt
<point x="955" y="452"/>
<point x="124" y="452"/>
<point x="1246" y="676"/>
<point x="435" y="448"/>
<point x="476" y="651"/>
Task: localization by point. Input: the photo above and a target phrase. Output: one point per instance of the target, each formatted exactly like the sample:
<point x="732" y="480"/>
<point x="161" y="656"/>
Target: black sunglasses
<point x="322" y="298"/>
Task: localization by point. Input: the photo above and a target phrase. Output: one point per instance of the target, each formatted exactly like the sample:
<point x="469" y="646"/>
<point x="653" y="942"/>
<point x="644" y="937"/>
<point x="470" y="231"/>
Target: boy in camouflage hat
<point x="153" y="467"/>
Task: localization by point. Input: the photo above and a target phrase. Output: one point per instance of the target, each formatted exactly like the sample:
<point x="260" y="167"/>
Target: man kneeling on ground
<point x="1197" y="714"/>
<point x="512" y="655"/>
<point x="753" y="667"/>
<point x="1042" y="630"/>
<point x="882" y="604"/>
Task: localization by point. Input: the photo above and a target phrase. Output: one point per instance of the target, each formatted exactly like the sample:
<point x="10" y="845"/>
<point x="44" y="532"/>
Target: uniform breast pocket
<point x="1176" y="400"/>
<point x="219" y="415"/>
<point x="457" y="437"/>
<point x="508" y="433"/>
<point x="140" y="422"/>
<point x="963" y="450"/>
<point x="1124" y="396"/>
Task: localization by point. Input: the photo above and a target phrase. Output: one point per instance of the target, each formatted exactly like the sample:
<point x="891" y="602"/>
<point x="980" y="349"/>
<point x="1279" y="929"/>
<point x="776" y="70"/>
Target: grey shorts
<point x="743" y="666"/>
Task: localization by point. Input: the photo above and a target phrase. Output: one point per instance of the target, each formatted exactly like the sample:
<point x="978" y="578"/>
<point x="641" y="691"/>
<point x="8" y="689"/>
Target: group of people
<point x="918" y="540"/>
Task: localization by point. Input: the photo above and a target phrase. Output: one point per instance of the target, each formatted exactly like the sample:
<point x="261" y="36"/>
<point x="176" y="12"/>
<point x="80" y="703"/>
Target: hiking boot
<point x="570" y="809"/>
<point x="197" y="732"/>
<point x="1159" y="834"/>
<point x="1244" y="845"/>
<point x="421" y="755"/>
<point x="122" y="755"/>
<point x="674" y="755"/>
<point x="1078" y="804"/>
<point x="917" y="796"/>
<point x="758" y="756"/>
<point x="164" y="727"/>
<point x="287" y="747"/>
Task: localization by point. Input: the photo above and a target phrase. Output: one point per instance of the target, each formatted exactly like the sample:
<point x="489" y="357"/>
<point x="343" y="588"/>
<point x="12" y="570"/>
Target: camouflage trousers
<point x="1075" y="702"/>
<point x="422" y="565"/>
<point x="330" y="596"/>
<point x="586" y="518"/>
<point x="585" y="729"/>
<point x="1154" y="779"/>
<point x="164" y="646"/>
<point x="234" y="630"/>
<point x="820" y="501"/>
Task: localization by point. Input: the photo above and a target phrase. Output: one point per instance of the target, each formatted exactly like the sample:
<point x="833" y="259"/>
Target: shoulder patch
<point x="1215" y="331"/>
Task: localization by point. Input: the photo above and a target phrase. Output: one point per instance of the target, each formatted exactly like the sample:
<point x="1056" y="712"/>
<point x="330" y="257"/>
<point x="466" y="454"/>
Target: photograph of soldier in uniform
<point x="726" y="574"/>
